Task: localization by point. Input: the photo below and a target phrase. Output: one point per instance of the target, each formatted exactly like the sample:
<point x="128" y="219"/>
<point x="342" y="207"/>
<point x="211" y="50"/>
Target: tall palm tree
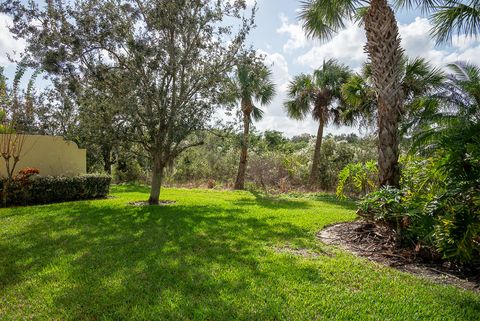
<point x="322" y="18"/>
<point x="252" y="84"/>
<point x="319" y="95"/>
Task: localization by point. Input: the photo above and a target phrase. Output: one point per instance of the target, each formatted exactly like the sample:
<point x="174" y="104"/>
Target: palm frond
<point x="300" y="93"/>
<point x="257" y="113"/>
<point x="424" y="5"/>
<point x="323" y="18"/>
<point x="456" y="17"/>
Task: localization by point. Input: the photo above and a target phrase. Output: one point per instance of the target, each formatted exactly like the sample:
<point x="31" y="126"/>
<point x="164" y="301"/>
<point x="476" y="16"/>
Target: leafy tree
<point x="274" y="138"/>
<point x="319" y="95"/>
<point x="174" y="54"/>
<point x="101" y="122"/>
<point x="250" y="85"/>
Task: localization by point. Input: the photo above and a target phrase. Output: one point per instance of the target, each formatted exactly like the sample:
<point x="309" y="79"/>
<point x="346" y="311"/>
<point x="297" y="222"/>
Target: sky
<point x="279" y="36"/>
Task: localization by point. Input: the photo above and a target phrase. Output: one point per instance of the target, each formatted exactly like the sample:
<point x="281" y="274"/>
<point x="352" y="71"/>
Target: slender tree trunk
<point x="107" y="160"/>
<point x="316" y="155"/>
<point x="242" y="166"/>
<point x="385" y="53"/>
<point x="6" y="186"/>
<point x="157" y="177"/>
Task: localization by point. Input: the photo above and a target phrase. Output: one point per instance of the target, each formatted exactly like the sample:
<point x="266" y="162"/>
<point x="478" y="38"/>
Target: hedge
<point x="51" y="189"/>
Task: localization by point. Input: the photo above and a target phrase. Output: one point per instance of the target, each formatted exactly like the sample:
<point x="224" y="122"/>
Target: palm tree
<point x="322" y="18"/>
<point x="252" y="84"/>
<point x="455" y="112"/>
<point x="319" y="95"/>
<point x="418" y="80"/>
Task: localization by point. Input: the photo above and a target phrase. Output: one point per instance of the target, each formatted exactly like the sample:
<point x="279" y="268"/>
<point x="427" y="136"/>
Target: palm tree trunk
<point x="385" y="53"/>
<point x="156" y="184"/>
<point x="316" y="155"/>
<point x="242" y="166"/>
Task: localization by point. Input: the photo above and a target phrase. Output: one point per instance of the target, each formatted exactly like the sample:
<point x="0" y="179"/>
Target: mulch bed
<point x="145" y="203"/>
<point x="378" y="244"/>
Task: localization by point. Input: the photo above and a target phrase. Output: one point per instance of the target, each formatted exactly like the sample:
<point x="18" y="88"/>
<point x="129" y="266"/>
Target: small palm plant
<point x="318" y="94"/>
<point x="251" y="85"/>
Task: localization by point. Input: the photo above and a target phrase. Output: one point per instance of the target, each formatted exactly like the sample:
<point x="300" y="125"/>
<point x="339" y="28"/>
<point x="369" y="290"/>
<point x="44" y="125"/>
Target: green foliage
<point x="457" y="232"/>
<point x="383" y="206"/>
<point x="357" y="179"/>
<point x="166" y="67"/>
<point x="279" y="162"/>
<point x="438" y="205"/>
<point x="128" y="171"/>
<point x="50" y="189"/>
<point x="318" y="94"/>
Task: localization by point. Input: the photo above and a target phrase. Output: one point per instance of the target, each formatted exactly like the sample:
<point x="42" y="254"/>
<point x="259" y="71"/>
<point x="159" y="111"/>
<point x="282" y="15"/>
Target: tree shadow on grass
<point x="106" y="261"/>
<point x="116" y="259"/>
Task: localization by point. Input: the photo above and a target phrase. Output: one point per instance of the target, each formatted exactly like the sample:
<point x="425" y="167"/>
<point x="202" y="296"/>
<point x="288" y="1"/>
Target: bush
<point x="384" y="206"/>
<point x="457" y="232"/>
<point x="49" y="189"/>
<point x="357" y="179"/>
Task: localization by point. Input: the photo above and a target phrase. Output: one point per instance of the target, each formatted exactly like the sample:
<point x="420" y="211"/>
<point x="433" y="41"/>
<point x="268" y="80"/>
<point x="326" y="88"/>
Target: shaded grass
<point x="210" y="256"/>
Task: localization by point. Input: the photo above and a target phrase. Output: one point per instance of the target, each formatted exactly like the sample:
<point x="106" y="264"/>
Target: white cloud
<point x="346" y="46"/>
<point x="275" y="117"/>
<point x="8" y="45"/>
<point x="297" y="38"/>
<point x="417" y="42"/>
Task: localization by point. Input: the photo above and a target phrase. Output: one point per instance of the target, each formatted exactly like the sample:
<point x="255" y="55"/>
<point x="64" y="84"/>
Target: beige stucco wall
<point x="51" y="155"/>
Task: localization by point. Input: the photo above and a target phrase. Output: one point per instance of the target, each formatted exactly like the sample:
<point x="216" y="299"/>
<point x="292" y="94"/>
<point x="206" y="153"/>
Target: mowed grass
<point x="213" y="255"/>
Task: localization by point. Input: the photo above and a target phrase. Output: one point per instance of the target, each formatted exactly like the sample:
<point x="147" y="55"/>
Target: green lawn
<point x="213" y="255"/>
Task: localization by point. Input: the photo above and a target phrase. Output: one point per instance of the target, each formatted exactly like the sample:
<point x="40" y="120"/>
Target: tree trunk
<point x="157" y="177"/>
<point x="6" y="185"/>
<point x="316" y="155"/>
<point x="383" y="49"/>
<point x="242" y="166"/>
<point x="107" y="160"/>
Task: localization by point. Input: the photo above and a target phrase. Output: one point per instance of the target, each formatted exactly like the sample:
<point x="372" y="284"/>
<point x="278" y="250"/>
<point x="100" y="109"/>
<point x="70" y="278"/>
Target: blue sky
<point x="280" y="37"/>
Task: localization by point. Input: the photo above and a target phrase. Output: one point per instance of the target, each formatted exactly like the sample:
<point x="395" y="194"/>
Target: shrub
<point x="357" y="179"/>
<point x="49" y="189"/>
<point x="128" y="171"/>
<point x="457" y="232"/>
<point x="24" y="174"/>
<point x="384" y="206"/>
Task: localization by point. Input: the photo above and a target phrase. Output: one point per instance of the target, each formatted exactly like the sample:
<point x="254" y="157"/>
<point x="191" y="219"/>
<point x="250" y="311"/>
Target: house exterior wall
<point x="51" y="155"/>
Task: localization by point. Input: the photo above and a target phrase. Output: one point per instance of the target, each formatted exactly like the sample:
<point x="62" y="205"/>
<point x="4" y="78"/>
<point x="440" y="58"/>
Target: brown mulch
<point x="145" y="203"/>
<point x="378" y="244"/>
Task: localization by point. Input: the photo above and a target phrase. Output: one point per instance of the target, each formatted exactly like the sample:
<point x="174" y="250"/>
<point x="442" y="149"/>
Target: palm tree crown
<point x="419" y="79"/>
<point x="253" y="84"/>
<point x="318" y="94"/>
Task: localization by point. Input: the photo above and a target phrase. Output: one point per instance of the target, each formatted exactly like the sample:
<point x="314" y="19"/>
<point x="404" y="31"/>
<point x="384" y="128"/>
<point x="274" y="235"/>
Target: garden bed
<point x="377" y="244"/>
